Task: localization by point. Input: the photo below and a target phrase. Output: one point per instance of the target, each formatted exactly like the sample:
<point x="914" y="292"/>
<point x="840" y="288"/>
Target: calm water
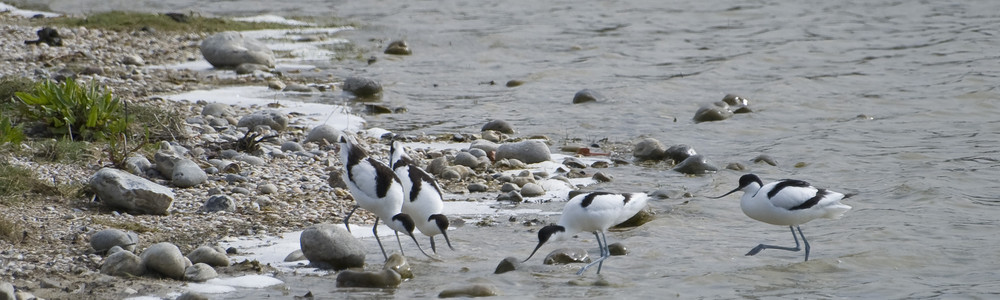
<point x="924" y="166"/>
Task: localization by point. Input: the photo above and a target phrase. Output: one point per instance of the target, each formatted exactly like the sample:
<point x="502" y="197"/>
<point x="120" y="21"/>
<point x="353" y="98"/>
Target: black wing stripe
<point x="812" y="201"/>
<point x="786" y="183"/>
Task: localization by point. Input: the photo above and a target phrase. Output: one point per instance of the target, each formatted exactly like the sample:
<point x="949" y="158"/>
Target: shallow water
<point x="923" y="167"/>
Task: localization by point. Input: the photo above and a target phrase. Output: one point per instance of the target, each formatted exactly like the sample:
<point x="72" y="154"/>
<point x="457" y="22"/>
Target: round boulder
<point x="587" y="95"/>
<point x="649" y="149"/>
<point x="103" y="240"/>
<point x="362" y="87"/>
<point x="271" y="118"/>
<point x="164" y="258"/>
<point x="696" y="164"/>
<point x="329" y="246"/>
<point x="500" y="126"/>
<point x="230" y="49"/>
<point x="209" y="256"/>
<point x="324" y="133"/>
<point x="529" y="152"/>
<point x="123" y="263"/>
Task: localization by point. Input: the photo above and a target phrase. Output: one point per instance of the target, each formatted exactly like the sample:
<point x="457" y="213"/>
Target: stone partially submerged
<point x="137" y="195"/>
<point x="230" y="49"/>
<point x="329" y="246"/>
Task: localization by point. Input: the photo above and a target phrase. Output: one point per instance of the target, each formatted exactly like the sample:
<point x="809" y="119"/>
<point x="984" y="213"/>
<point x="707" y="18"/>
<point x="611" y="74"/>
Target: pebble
<point x="532" y="190"/>
<point x="696" y="165"/>
<point x="329" y="246"/>
<point x="164" y="258"/>
<point x="398" y="47"/>
<point x="477" y="188"/>
<point x="210" y="256"/>
<point x="649" y="149"/>
<point x="764" y="158"/>
<point x="529" y="152"/>
<point x="199" y="272"/>
<point x="566" y="256"/>
<point x="499" y="126"/>
<point x="381" y="279"/>
<point x="618" y="249"/>
<point x="295" y="256"/>
<point x="219" y="203"/>
<point x="104" y="240"/>
<point x="508" y="264"/>
<point x="601" y="177"/>
<point x="587" y="95"/>
<point x="362" y="87"/>
<point x="325" y="133"/>
<point x="398" y="263"/>
<point x="267" y="188"/>
<point x="472" y="291"/>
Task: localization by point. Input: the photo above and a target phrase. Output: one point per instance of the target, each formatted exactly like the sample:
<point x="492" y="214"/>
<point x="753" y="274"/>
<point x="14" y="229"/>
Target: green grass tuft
<point x="17" y="183"/>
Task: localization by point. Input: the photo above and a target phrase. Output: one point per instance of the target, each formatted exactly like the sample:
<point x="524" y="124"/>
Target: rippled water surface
<point x="923" y="162"/>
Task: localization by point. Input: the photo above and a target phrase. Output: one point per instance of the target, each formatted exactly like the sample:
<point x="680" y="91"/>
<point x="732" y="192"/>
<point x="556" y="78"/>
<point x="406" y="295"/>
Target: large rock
<point x="529" y="152"/>
<point x="230" y="49"/>
<point x="323" y="133"/>
<point x="135" y="194"/>
<point x="696" y="164"/>
<point x="199" y="272"/>
<point x="712" y="112"/>
<point x="271" y="118"/>
<point x="499" y="126"/>
<point x="123" y="263"/>
<point x="103" y="240"/>
<point x="166" y="259"/>
<point x="383" y="279"/>
<point x="362" y="87"/>
<point x="471" y="291"/>
<point x="209" y="256"/>
<point x="329" y="246"/>
<point x="649" y="149"/>
<point x="587" y="95"/>
<point x="566" y="256"/>
<point x="187" y="173"/>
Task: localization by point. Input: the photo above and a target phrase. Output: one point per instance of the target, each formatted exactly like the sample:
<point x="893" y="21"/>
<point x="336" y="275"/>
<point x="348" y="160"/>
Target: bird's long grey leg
<point x="761" y="247"/>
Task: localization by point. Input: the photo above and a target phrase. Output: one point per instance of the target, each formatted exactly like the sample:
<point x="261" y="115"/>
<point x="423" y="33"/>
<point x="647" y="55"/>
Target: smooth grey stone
<point x="195" y="120"/>
<point x="532" y="190"/>
<point x="137" y="164"/>
<point x="587" y="95"/>
<point x="566" y="256"/>
<point x="336" y="180"/>
<point x="471" y="291"/>
<point x="210" y="256"/>
<point x="493" y="136"/>
<point x="513" y="196"/>
<point x="509" y="187"/>
<point x="695" y="164"/>
<point x="362" y="87"/>
<point x="291" y="147"/>
<point x="601" y="177"/>
<point x="219" y="203"/>
<point x="680" y="152"/>
<point x="765" y="159"/>
<point x="249" y="68"/>
<point x="736" y="166"/>
<point x="529" y="152"/>
<point x="250" y="159"/>
<point x="217" y="110"/>
<point x="486" y="146"/>
<point x="229" y="154"/>
<point x="523" y="180"/>
<point x="241" y="190"/>
<point x="103" y="240"/>
<point x="478" y="152"/>
<point x="329" y="246"/>
<point x="191" y="296"/>
<point x="299" y="88"/>
<point x="166" y="259"/>
<point x="187" y="173"/>
<point x="649" y="149"/>
<point x="123" y="263"/>
<point x="642" y="217"/>
<point x="7" y="291"/>
<point x="618" y="249"/>
<point x="271" y="118"/>
<point x="137" y="195"/>
<point x="133" y="59"/>
<point x="437" y="165"/>
<point x="466" y="159"/>
<point x="235" y="178"/>
<point x="574" y="162"/>
<point x="398" y="48"/>
<point x="381" y="279"/>
<point x="477" y="188"/>
<point x="199" y="272"/>
<point x="712" y="112"/>
<point x="508" y="264"/>
<point x="397" y="262"/>
<point x="324" y="133"/>
<point x="295" y="256"/>
<point x="230" y="49"/>
<point x="498" y="126"/>
<point x="510" y="164"/>
<point x="267" y="188"/>
<point x="114" y="250"/>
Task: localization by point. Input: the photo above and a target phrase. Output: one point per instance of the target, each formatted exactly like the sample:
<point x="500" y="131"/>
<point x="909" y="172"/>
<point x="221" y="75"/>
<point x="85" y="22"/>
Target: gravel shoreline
<point x="54" y="259"/>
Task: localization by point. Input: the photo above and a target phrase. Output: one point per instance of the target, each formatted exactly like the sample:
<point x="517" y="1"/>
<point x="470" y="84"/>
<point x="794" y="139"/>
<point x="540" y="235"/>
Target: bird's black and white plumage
<point x="375" y="188"/>
<point x="592" y="212"/>
<point x="787" y="202"/>
<point x="422" y="198"/>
